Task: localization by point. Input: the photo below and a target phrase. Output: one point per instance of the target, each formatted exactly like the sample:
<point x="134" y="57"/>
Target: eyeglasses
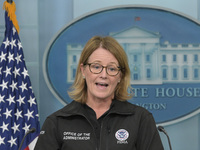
<point x="111" y="70"/>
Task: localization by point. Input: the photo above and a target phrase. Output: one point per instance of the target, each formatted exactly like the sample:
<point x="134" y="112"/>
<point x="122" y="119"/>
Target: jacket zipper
<point x="100" y="135"/>
<point x="108" y="132"/>
<point x="93" y="130"/>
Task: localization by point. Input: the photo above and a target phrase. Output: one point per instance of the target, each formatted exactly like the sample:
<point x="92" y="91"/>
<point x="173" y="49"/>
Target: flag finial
<point x="10" y="1"/>
<point x="9" y="6"/>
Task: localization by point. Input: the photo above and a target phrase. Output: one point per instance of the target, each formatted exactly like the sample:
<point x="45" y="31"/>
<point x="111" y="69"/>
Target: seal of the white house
<point x="163" y="49"/>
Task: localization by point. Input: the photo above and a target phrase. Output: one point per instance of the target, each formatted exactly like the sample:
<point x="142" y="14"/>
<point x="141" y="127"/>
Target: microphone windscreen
<point x="160" y="128"/>
<point x="32" y="130"/>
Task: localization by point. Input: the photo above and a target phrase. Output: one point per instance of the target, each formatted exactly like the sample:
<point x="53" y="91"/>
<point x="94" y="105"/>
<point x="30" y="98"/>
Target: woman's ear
<point x="120" y="78"/>
<point x="82" y="69"/>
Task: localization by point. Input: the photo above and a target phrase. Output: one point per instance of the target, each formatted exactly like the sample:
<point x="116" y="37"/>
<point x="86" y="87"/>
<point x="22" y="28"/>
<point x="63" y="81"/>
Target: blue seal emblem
<point x="164" y="64"/>
<point x="122" y="135"/>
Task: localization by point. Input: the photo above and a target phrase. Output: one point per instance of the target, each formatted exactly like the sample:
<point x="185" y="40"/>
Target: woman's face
<point x="101" y="86"/>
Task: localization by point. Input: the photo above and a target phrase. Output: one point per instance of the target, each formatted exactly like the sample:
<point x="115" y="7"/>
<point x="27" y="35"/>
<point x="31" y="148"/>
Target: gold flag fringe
<point x="10" y="8"/>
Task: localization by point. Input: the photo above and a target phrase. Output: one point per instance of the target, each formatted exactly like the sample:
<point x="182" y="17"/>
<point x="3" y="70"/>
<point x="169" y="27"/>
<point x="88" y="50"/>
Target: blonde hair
<point x="123" y="90"/>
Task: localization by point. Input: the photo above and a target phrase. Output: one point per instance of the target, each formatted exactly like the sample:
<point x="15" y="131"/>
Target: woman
<point x="100" y="118"/>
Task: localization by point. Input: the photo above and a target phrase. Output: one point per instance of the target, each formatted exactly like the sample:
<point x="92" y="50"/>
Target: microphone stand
<point x="29" y="131"/>
<point x="161" y="129"/>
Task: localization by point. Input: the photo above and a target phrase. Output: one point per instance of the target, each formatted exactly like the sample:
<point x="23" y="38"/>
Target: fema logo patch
<point x="122" y="135"/>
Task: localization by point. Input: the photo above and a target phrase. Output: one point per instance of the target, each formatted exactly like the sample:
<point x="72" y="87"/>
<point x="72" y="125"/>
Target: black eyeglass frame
<point x="89" y="64"/>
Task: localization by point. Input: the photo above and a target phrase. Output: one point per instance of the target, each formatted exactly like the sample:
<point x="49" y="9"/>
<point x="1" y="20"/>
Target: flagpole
<point x="10" y="1"/>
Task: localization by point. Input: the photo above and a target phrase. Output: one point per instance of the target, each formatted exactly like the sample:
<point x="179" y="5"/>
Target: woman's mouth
<point x="102" y="84"/>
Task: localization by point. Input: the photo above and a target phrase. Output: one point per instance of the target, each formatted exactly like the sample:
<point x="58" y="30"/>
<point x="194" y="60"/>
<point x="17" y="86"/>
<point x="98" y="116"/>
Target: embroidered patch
<point x="42" y="132"/>
<point x="122" y="135"/>
<point x="78" y="136"/>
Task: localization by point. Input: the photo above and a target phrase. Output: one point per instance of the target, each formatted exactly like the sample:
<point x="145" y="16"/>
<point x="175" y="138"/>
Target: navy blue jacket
<point x="125" y="127"/>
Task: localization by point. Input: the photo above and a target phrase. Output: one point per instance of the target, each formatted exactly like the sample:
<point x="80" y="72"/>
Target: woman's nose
<point x="104" y="72"/>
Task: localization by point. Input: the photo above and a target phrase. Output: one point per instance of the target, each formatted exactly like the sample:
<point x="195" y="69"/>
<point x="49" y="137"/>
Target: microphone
<point x="161" y="129"/>
<point x="32" y="130"/>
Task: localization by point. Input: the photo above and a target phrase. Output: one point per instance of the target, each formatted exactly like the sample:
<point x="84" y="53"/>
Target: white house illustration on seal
<point x="150" y="61"/>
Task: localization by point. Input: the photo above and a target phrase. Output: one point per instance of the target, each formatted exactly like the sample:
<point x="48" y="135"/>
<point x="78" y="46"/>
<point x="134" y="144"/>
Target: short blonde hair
<point x="123" y="92"/>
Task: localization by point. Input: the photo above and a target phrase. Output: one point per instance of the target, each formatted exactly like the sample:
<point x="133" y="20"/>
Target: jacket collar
<point x="122" y="107"/>
<point x="117" y="107"/>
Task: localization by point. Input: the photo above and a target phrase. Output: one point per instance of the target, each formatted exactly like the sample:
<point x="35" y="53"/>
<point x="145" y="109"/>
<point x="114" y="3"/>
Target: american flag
<point x="18" y="106"/>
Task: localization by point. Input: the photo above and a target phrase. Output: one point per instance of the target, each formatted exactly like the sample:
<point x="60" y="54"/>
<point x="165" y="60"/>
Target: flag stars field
<point x="18" y="106"/>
